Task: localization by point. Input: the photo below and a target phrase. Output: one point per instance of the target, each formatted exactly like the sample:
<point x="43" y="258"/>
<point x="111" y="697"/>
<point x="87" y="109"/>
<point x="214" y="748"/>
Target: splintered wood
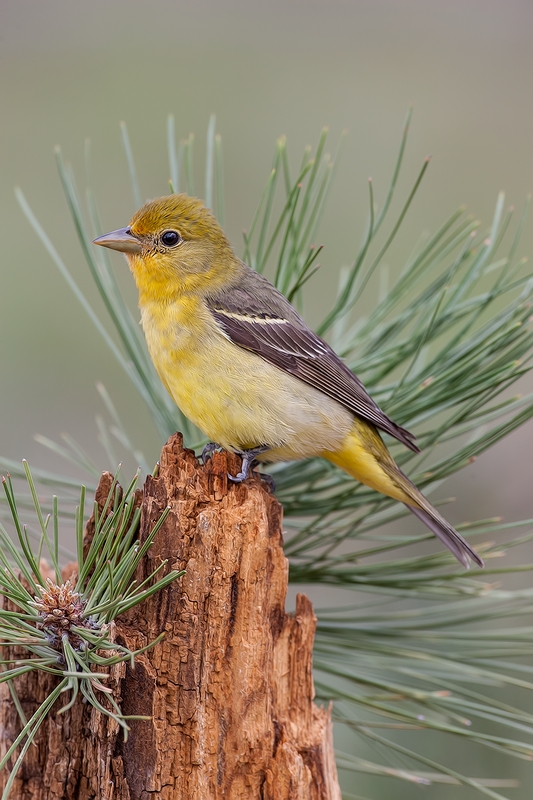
<point x="229" y="690"/>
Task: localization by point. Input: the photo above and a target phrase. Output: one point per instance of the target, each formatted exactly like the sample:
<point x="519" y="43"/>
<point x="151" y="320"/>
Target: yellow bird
<point x="242" y="364"/>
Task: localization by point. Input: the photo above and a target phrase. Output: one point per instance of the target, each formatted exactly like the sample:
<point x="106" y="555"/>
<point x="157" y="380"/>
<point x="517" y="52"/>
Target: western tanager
<point x="244" y="366"/>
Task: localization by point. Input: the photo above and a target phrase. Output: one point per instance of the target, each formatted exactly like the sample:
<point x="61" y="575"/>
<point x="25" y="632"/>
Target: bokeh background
<point x="71" y="70"/>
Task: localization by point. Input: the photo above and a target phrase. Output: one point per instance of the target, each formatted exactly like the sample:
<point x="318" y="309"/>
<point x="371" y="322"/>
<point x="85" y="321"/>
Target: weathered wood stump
<point x="229" y="690"/>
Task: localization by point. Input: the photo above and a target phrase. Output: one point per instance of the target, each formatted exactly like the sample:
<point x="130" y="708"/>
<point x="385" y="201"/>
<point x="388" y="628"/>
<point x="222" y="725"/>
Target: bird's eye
<point x="170" y="238"/>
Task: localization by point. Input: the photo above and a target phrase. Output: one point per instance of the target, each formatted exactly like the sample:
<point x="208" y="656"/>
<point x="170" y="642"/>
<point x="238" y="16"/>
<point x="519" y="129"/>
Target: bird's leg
<point x="209" y="449"/>
<point x="248" y="458"/>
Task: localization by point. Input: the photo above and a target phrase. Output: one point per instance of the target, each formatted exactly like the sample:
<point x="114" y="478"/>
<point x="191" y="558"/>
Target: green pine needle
<point x="86" y="605"/>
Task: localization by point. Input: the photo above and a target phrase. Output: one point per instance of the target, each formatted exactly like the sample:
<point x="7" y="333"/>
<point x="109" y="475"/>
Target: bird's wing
<point x="255" y="316"/>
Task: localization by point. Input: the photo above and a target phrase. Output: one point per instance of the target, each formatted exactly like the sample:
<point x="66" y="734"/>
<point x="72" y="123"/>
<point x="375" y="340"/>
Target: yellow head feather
<point x="202" y="255"/>
<point x="179" y="212"/>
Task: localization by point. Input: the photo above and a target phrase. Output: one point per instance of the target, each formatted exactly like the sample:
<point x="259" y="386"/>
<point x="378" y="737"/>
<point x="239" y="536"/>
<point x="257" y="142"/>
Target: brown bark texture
<point x="229" y="690"/>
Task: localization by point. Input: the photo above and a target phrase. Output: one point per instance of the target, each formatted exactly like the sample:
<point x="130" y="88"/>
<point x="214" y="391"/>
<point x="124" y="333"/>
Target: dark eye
<point x="170" y="238"/>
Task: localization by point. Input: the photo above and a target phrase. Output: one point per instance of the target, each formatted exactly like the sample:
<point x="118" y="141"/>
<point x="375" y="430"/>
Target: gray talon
<point x="239" y="478"/>
<point x="248" y="458"/>
<point x="209" y="449"/>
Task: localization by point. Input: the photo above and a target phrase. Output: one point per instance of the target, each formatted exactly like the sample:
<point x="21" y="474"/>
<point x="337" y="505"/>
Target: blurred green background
<point x="71" y="70"/>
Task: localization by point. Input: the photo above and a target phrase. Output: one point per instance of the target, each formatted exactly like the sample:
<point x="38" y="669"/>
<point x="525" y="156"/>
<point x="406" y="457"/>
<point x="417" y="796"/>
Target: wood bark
<point x="229" y="690"/>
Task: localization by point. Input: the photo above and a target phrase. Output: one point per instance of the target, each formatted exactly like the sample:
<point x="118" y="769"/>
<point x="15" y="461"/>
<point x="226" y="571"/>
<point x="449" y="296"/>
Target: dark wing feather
<point x="255" y="316"/>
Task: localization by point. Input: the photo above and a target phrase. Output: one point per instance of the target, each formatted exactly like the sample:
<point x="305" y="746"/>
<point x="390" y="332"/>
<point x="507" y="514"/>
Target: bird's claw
<point x="248" y="458"/>
<point x="268" y="480"/>
<point x="208" y="451"/>
<point x="239" y="478"/>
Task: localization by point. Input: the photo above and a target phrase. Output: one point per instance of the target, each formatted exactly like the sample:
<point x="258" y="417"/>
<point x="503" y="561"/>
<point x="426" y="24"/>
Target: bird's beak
<point x="121" y="239"/>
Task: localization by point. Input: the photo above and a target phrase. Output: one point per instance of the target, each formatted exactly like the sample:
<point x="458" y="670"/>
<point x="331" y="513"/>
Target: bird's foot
<point x="209" y="449"/>
<point x="248" y="458"/>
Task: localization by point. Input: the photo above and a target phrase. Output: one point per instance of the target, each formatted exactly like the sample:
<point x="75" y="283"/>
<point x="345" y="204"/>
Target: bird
<point x="246" y="369"/>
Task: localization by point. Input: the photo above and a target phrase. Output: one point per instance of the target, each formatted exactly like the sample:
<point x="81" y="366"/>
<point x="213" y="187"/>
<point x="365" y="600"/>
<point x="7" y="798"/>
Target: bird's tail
<point x="364" y="456"/>
<point x="448" y="535"/>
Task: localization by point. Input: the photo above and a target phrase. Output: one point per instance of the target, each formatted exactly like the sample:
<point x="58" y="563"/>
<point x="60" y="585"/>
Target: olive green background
<point x="71" y="70"/>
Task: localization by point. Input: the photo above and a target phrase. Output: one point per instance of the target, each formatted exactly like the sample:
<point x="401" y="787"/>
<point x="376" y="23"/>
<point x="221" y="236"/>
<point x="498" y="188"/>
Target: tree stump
<point x="229" y="690"/>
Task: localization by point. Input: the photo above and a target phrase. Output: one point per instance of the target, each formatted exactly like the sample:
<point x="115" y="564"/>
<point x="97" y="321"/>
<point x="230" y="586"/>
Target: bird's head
<point x="173" y="244"/>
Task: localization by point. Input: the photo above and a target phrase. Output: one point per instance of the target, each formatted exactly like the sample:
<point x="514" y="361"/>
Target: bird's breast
<point x="235" y="397"/>
<point x="172" y="339"/>
<point x="168" y="329"/>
